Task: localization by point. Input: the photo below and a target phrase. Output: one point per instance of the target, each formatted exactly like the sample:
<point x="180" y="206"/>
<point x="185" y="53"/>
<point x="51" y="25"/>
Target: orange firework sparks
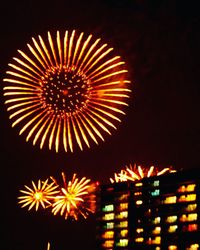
<point x="76" y="198"/>
<point x="38" y="195"/>
<point x="137" y="172"/>
<point x="66" y="91"/>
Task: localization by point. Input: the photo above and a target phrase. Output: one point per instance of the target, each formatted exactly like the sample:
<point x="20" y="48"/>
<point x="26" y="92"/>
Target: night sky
<point x="160" y="43"/>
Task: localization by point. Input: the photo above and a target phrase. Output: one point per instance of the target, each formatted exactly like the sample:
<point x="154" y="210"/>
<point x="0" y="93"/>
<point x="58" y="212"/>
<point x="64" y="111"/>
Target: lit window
<point x="108" y="208"/>
<point x="123" y="206"/>
<point x="190" y="187"/>
<point x="108" y="243"/>
<point x="172" y="228"/>
<point x="182" y="189"/>
<point x="108" y="235"/>
<point x="191" y="197"/>
<point x="193" y="247"/>
<point x="156" y="220"/>
<point x="139" y="230"/>
<point x="122" y="224"/>
<point x="156" y="183"/>
<point x="188" y="197"/>
<point x="124" y="232"/>
<point x="170" y="200"/>
<point x="122" y="215"/>
<point x="171" y="219"/>
<point x="189" y="217"/>
<point x="139" y="184"/>
<point x="156" y="192"/>
<point x="139" y="202"/>
<point x="110" y="225"/>
<point x="192" y="217"/>
<point x="122" y="243"/>
<point x="172" y="247"/>
<point x="140" y="239"/>
<point x="137" y="193"/>
<point x="109" y="216"/>
<point x="156" y="240"/>
<point x="157" y="248"/>
<point x="192" y="227"/>
<point x="191" y="207"/>
<point x="156" y="230"/>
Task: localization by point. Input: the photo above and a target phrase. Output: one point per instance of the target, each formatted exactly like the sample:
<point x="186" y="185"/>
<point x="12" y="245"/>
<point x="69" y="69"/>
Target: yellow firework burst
<point x="38" y="195"/>
<point x="77" y="197"/>
<point x="134" y="173"/>
<point x="66" y="91"/>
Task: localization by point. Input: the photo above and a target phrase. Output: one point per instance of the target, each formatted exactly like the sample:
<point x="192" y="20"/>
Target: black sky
<point x="160" y="42"/>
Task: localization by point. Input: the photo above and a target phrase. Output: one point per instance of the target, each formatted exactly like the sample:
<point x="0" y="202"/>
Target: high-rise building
<point x="160" y="212"/>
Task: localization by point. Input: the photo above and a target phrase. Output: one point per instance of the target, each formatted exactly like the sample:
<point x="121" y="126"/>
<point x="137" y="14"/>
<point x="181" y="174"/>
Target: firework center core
<point x="64" y="90"/>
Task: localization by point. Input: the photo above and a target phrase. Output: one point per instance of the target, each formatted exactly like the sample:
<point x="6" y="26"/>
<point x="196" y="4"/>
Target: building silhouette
<point x="159" y="212"/>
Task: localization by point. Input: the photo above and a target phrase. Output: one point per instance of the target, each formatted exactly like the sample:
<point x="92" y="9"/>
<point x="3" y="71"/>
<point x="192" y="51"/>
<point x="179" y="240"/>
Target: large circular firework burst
<point x="66" y="90"/>
<point x="135" y="173"/>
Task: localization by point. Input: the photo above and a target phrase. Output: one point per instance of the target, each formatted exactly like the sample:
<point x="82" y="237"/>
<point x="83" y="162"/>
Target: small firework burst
<point x="77" y="197"/>
<point x="134" y="173"/>
<point x="40" y="195"/>
<point x="66" y="91"/>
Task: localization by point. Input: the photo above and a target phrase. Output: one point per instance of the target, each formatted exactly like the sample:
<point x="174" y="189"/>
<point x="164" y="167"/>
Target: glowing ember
<point x="137" y="172"/>
<point x="76" y="198"/>
<point x="66" y="92"/>
<point x="38" y="195"/>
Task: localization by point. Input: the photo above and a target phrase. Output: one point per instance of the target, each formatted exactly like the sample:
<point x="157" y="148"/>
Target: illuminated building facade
<point x="160" y="212"/>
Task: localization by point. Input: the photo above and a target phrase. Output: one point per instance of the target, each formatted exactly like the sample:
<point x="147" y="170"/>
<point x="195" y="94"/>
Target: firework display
<point x="74" y="199"/>
<point x="134" y="173"/>
<point x="66" y="91"/>
<point x="40" y="195"/>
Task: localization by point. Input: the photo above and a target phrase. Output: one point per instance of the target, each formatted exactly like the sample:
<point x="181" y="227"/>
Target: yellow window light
<point x="123" y="206"/>
<point x="108" y="243"/>
<point x="139" y="230"/>
<point x="190" y="187"/>
<point x="170" y="200"/>
<point x="171" y="219"/>
<point x="139" y="184"/>
<point x="172" y="247"/>
<point x="108" y="235"/>
<point x="122" y="215"/>
<point x="156" y="220"/>
<point x="122" y="224"/>
<point x="139" y="239"/>
<point x="109" y="216"/>
<point x="122" y="243"/>
<point x="172" y="228"/>
<point x="191" y="207"/>
<point x="124" y="232"/>
<point x="157" y="230"/>
<point x="139" y="202"/>
<point x="193" y="247"/>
